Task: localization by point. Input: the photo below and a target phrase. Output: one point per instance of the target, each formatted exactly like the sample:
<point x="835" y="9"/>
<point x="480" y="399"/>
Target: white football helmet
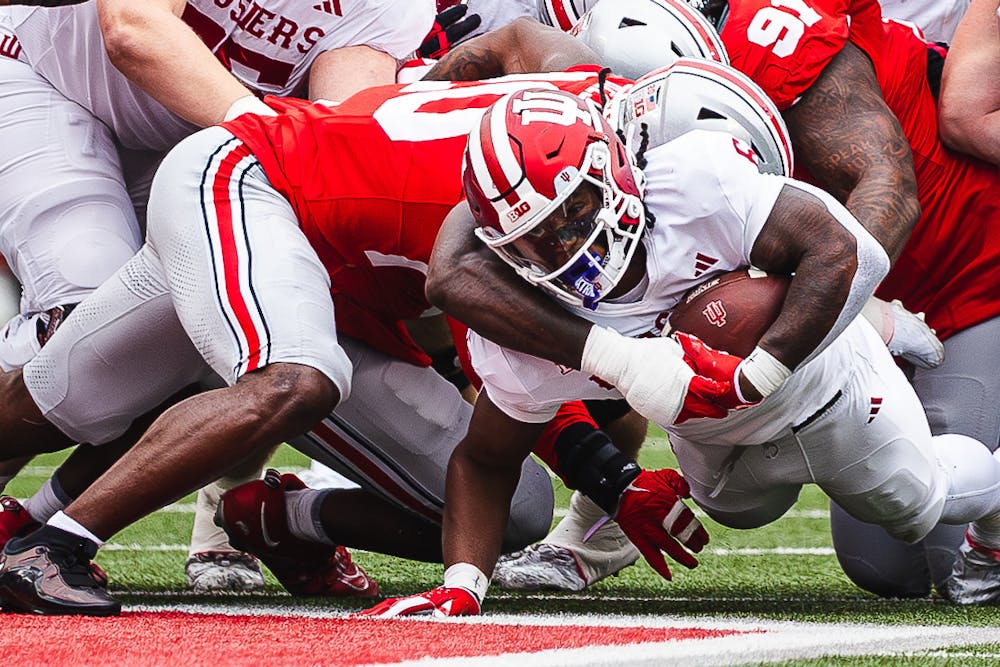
<point x="702" y="94"/>
<point x="634" y="37"/>
<point x="563" y="13"/>
<point x="555" y="193"/>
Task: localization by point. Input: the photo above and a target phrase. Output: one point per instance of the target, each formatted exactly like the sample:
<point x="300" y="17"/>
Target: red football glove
<point x="714" y="364"/>
<point x="450" y="27"/>
<point x="656" y="520"/>
<point x="439" y="602"/>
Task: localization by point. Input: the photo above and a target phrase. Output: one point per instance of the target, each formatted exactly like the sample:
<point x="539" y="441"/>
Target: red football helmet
<point x="555" y="193"/>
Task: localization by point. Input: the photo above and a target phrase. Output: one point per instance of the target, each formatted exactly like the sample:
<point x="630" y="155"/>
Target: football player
<point x="555" y="193"/>
<point x="859" y="107"/>
<point x="80" y="82"/>
<point x="251" y="226"/>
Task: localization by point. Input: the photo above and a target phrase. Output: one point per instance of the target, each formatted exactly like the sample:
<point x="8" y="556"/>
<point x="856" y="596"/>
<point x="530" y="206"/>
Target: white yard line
<point x="776" y="551"/>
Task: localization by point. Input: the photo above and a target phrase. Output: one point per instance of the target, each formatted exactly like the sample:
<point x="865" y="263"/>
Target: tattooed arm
<point x="851" y="142"/>
<point x="520" y="47"/>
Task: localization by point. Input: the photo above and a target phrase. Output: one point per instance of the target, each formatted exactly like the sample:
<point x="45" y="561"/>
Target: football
<point x="731" y="311"/>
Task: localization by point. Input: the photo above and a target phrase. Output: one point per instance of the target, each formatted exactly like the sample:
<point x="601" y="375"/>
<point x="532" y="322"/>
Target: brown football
<point x="731" y="311"/>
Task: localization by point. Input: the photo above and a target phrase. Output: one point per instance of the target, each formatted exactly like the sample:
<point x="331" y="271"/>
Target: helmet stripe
<point x="702" y="28"/>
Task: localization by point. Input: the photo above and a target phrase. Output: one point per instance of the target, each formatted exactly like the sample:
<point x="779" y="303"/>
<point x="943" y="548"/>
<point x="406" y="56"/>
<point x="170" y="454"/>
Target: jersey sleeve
<point x="785" y="46"/>
<point x="527" y="388"/>
<point x="396" y="27"/>
<point x="706" y="188"/>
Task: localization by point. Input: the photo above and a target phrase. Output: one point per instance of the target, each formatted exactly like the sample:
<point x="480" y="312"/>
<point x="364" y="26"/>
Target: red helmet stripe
<point x="700" y="25"/>
<point x="562" y="17"/>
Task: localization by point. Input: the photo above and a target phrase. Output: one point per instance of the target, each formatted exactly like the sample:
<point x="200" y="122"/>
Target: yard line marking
<point x="775" y="551"/>
<point x="743" y="641"/>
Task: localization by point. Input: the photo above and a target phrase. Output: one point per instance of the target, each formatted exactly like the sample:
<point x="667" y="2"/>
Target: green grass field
<point x="785" y="571"/>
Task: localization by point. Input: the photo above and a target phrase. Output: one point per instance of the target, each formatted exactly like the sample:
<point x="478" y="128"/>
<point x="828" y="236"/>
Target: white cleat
<point x="565" y="560"/>
<point x="912" y="339"/>
<point x="215" y="571"/>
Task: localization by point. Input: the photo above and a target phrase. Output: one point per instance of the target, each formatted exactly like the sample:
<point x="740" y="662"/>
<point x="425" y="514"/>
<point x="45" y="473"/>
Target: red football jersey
<point x="951" y="264"/>
<point x="372" y="179"/>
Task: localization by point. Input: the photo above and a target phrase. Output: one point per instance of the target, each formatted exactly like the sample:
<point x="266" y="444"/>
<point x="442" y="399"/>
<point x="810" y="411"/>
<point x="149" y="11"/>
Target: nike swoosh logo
<point x="263" y="530"/>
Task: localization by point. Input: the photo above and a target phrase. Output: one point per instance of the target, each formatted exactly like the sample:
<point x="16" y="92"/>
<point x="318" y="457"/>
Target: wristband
<point x="469" y="577"/>
<point x="248" y="104"/>
<point x="763" y="371"/>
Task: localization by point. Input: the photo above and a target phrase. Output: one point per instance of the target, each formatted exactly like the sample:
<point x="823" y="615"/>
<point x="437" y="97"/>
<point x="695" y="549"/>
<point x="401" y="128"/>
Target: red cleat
<point x="254" y="517"/>
<point x="14" y="520"/>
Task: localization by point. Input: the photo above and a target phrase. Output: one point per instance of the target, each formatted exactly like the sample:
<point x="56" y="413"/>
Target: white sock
<point x="303" y="514"/>
<point x="61" y="521"/>
<point x="48" y="500"/>
<point x="879" y="313"/>
<point x="985" y="530"/>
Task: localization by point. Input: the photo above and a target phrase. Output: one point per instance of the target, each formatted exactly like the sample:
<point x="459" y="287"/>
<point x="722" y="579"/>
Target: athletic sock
<point x="62" y="521"/>
<point x="303" y="514"/>
<point x="48" y="500"/>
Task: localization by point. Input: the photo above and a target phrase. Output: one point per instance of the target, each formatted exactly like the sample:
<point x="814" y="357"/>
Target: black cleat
<point x="49" y="572"/>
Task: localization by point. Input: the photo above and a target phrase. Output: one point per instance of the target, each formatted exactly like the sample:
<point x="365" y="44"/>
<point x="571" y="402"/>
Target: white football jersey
<point x="498" y="13"/>
<point x="268" y="45"/>
<point x="710" y="204"/>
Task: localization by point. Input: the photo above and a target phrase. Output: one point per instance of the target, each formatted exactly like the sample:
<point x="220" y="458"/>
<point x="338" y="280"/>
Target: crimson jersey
<point x="951" y="264"/>
<point x="372" y="179"/>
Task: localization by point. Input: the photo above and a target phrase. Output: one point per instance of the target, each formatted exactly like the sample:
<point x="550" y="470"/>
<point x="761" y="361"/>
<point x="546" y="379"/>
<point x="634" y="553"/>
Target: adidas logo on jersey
<point x="703" y="263"/>
<point x="329" y="7"/>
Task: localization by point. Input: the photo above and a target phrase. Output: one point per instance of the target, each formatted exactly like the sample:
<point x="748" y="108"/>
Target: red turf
<point x="141" y="639"/>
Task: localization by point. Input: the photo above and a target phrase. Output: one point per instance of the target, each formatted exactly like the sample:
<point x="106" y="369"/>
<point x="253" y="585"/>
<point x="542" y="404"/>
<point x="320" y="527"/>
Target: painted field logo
<point x="715" y="313"/>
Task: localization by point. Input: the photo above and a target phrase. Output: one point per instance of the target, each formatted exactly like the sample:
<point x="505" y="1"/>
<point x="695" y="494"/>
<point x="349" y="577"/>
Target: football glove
<point x="720" y="366"/>
<point x="439" y="603"/>
<point x="656" y="520"/>
<point x="450" y="27"/>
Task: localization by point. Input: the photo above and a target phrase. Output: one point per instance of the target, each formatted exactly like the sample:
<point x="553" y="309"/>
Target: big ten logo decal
<point x="549" y="107"/>
<point x="715" y="313"/>
<point x="781" y="25"/>
<point x="515" y="213"/>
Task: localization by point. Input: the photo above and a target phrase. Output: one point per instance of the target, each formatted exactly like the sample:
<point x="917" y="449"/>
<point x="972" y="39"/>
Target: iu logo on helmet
<point x="715" y="313"/>
<point x="548" y="107"/>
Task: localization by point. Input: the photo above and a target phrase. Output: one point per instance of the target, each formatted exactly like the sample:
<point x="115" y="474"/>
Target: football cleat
<point x="14" y="520"/>
<point x="583" y="549"/>
<point x="254" y="517"/>
<point x="912" y="339"/>
<point x="975" y="577"/>
<point x="214" y="571"/>
<point x="540" y="567"/>
<point x="50" y="572"/>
